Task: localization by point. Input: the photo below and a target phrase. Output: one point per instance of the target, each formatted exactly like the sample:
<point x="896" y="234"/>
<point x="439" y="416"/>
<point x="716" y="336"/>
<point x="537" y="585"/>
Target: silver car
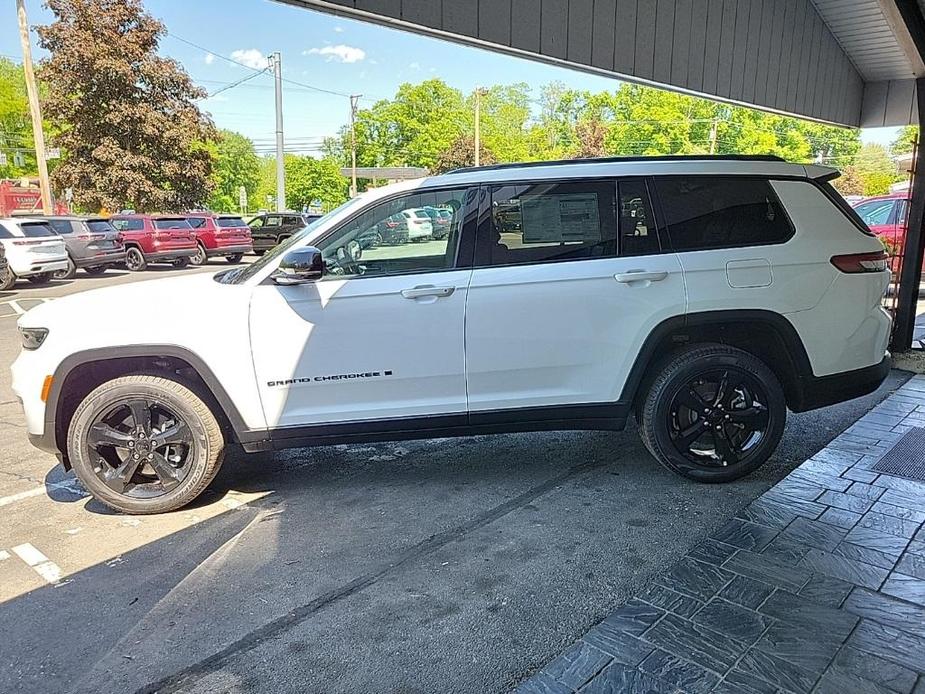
<point x="92" y="244"/>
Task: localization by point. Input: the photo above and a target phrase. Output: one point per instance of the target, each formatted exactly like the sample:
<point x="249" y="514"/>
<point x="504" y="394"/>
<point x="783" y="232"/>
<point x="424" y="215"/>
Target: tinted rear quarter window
<point x="196" y="222"/>
<point x="35" y="230"/>
<point x="99" y="226"/>
<point x="129" y="224"/>
<point x="230" y="222"/>
<point x="60" y="226"/>
<point x="706" y="212"/>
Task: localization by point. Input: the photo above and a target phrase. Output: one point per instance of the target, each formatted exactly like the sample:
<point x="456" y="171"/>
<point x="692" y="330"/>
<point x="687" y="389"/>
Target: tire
<point x="67" y="274"/>
<point x="202" y="460"/>
<point x="7" y="279"/>
<point x="181" y="263"/>
<point x="98" y="270"/>
<point x="135" y="260"/>
<point x="41" y="278"/>
<point x="234" y="259"/>
<point x="687" y="401"/>
<point x="200" y="258"/>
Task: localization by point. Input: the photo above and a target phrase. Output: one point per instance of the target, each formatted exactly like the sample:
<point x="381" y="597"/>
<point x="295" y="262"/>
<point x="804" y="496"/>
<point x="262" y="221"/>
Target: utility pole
<point x="277" y="61"/>
<point x="34" y="107"/>
<point x="713" y="134"/>
<point x="354" y="100"/>
<point x="478" y="126"/>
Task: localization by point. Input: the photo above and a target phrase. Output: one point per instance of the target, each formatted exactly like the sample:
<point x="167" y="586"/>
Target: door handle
<point x="426" y="291"/>
<point x="640" y="276"/>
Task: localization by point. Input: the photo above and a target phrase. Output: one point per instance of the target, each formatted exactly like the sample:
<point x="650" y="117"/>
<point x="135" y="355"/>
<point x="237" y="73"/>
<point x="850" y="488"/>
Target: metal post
<point x="277" y="61"/>
<point x="914" y="252"/>
<point x="478" y="126"/>
<point x="34" y="107"/>
<point x="354" y="99"/>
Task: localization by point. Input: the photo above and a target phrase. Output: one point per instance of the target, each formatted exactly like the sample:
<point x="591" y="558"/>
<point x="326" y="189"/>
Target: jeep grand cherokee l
<point x="704" y="297"/>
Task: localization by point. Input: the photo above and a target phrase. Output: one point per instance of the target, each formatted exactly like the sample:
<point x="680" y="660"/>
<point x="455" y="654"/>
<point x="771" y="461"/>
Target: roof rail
<point x="617" y="160"/>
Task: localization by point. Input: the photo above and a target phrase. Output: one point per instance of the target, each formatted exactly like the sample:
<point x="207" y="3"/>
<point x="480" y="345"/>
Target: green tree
<point x="131" y="132"/>
<point x="461" y="154"/>
<point x="905" y="140"/>
<point x="15" y="124"/>
<point x="234" y="164"/>
<point x="876" y="169"/>
<point x="309" y="179"/>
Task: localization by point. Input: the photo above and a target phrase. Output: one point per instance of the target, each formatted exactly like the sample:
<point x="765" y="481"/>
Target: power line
<point x="235" y="84"/>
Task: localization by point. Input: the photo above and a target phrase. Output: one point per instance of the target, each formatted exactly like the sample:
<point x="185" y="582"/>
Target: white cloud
<point x="340" y="53"/>
<point x="338" y="30"/>
<point x="414" y="66"/>
<point x="209" y="59"/>
<point x="250" y="57"/>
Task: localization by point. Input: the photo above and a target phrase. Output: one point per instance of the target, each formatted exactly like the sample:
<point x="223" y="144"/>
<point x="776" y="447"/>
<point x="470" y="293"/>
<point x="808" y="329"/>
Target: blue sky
<point x="318" y="50"/>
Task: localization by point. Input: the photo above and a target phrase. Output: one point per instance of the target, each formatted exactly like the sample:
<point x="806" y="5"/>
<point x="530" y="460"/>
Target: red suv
<point x="219" y="235"/>
<point x="155" y="239"/>
<point x="886" y="217"/>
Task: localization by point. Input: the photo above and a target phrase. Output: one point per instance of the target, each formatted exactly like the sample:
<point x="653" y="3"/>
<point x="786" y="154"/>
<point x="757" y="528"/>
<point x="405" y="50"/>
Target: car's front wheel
<point x="68" y="273"/>
<point x="713" y="413"/>
<point x="144" y="444"/>
<point x="135" y="260"/>
<point x="7" y="279"/>
<point x="200" y="258"/>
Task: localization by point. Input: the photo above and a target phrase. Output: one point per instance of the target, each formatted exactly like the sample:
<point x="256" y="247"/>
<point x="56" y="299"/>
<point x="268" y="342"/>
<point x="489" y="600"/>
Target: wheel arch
<point x="81" y="372"/>
<point x="766" y="334"/>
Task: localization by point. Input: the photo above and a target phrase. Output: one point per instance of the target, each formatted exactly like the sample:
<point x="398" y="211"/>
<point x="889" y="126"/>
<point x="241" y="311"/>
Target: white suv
<point x="705" y="297"/>
<point x="33" y="250"/>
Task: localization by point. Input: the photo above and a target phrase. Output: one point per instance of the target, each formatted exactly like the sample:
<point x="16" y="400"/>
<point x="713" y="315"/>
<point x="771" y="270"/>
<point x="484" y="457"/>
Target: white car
<point x="33" y="251"/>
<point x="420" y="226"/>
<point x="705" y="297"/>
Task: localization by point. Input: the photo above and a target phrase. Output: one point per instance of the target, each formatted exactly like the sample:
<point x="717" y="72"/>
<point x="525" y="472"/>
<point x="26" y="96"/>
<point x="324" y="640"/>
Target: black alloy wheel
<point x="234" y="259"/>
<point x="68" y="273"/>
<point x="141" y="448"/>
<point x="135" y="260"/>
<point x="719" y="417"/>
<point x="712" y="413"/>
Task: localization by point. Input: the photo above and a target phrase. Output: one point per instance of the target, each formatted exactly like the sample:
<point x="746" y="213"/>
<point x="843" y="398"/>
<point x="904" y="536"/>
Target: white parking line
<point x="16" y="307"/>
<point x="4" y="554"/>
<point x="69" y="485"/>
<point x="41" y="564"/>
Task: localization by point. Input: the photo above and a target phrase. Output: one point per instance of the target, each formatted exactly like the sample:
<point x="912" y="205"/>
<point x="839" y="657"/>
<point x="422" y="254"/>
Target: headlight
<point x="32" y="338"/>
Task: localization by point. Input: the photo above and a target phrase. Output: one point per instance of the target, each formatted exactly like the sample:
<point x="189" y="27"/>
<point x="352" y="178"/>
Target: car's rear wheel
<point x="713" y="413"/>
<point x="69" y="273"/>
<point x="135" y="260"/>
<point x="200" y="258"/>
<point x="234" y="259"/>
<point x="98" y="270"/>
<point x="144" y="444"/>
<point x="41" y="278"/>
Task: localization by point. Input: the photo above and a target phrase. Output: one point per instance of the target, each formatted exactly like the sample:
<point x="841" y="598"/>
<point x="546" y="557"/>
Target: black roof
<point x="615" y="160"/>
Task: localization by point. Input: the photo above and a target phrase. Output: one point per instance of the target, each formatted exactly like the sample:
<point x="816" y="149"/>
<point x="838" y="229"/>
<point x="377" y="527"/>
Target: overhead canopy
<point x="848" y="62"/>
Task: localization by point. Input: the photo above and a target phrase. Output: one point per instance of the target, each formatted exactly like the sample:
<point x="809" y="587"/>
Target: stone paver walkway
<point x="816" y="586"/>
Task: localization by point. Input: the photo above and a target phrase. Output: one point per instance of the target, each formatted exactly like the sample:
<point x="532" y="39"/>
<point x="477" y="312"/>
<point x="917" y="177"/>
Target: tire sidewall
<point x="139" y="264"/>
<point x="104" y="398"/>
<point x="663" y="393"/>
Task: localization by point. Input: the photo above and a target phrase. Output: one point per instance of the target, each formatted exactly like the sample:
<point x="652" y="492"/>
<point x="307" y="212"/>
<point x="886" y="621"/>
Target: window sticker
<point x="566" y="218"/>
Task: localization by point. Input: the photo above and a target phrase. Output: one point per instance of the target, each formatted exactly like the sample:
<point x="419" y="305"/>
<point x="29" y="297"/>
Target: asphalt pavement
<point x="448" y="565"/>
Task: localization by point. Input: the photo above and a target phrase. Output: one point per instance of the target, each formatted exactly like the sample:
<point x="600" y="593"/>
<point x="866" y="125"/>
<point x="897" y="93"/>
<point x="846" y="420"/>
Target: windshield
<point x="245" y="273"/>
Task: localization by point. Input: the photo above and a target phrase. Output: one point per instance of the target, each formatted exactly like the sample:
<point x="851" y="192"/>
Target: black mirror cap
<point x="302" y="265"/>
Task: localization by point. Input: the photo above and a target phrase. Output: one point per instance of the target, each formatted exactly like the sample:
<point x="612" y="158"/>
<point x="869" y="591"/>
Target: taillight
<point x="854" y="263"/>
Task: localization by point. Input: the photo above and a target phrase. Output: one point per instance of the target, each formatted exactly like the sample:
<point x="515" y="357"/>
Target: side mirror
<point x="300" y="266"/>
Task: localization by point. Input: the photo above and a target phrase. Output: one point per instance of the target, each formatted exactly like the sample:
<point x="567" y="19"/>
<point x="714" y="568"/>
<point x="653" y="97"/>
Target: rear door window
<point x="706" y="212"/>
<point x="876" y="212"/>
<point x="129" y="224"/>
<point x="171" y="224"/>
<point x="550" y="221"/>
<point x="638" y="235"/>
<point x="60" y="226"/>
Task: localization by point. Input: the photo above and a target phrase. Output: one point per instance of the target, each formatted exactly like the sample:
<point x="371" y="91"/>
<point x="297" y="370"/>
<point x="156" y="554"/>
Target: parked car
<point x="753" y="291"/>
<point x="219" y="235"/>
<point x="4" y="267"/>
<point x="886" y="216"/>
<point x="92" y="244"/>
<point x="441" y="220"/>
<point x="419" y="226"/>
<point x="155" y="239"/>
<point x="33" y="251"/>
<point x="272" y="228"/>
